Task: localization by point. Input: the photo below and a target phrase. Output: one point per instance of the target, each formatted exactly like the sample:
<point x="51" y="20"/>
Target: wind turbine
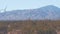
<point x="3" y="9"/>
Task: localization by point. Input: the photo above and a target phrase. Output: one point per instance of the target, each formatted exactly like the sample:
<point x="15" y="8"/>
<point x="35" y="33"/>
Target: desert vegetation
<point x="31" y="27"/>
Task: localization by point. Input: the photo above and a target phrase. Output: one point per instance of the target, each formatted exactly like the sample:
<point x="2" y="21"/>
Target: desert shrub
<point x="46" y="32"/>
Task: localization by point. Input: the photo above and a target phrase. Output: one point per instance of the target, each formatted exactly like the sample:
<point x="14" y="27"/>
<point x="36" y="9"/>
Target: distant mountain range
<point x="48" y="12"/>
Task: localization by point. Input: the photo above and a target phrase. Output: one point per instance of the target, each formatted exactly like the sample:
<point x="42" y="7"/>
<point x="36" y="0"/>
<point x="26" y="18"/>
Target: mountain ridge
<point x="48" y="12"/>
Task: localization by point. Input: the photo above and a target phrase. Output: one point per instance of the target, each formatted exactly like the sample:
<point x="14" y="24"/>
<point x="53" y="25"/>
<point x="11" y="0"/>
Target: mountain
<point x="48" y="12"/>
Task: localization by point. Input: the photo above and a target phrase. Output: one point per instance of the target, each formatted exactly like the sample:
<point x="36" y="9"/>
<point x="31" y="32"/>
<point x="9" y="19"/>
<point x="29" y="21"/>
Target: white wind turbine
<point x="3" y="9"/>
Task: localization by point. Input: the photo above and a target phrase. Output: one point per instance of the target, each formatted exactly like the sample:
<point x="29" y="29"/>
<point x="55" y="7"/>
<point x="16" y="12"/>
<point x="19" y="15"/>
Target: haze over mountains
<point x="48" y="12"/>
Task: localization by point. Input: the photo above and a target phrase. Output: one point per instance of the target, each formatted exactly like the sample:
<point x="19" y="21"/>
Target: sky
<point x="26" y="4"/>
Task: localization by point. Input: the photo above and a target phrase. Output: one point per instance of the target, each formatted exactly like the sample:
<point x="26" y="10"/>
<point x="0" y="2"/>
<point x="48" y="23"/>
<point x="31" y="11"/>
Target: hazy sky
<point x="27" y="4"/>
